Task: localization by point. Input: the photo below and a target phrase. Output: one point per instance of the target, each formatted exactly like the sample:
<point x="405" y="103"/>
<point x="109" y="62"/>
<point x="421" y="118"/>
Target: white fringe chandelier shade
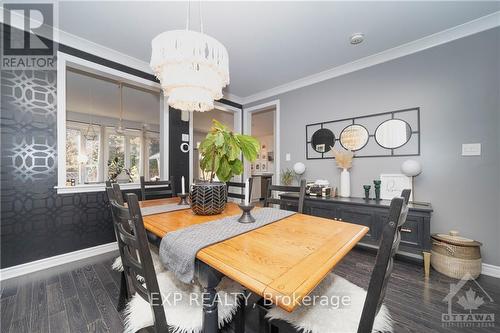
<point x="192" y="68"/>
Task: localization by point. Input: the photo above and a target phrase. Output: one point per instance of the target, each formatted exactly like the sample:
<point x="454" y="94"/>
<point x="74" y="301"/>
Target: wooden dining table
<point x="282" y="261"/>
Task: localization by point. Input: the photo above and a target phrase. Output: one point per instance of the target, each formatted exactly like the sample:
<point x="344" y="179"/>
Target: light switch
<point x="288" y="157"/>
<point x="471" y="149"/>
<point x="185" y="137"/>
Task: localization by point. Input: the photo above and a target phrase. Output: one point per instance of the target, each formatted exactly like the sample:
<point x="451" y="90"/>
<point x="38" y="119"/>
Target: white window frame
<point x="65" y="60"/>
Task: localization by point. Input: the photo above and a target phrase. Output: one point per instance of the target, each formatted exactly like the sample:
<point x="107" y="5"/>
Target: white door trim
<point x="277" y="134"/>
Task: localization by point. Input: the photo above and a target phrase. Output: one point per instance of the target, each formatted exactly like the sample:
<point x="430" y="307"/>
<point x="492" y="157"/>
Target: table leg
<point x="427" y="263"/>
<point x="209" y="279"/>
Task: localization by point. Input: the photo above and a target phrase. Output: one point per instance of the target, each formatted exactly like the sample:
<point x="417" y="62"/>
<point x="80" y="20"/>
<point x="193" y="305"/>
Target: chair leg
<point x="239" y="319"/>
<point x="263" y="323"/>
<point x="124" y="294"/>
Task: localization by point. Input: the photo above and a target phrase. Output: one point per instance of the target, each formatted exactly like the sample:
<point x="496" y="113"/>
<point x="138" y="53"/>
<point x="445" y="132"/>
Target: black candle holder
<point x="183" y="197"/>
<point x="367" y="191"/>
<point x="246" y="217"/>
<point x="377" y="189"/>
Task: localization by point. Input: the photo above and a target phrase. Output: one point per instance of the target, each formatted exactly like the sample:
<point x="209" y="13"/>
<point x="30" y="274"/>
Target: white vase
<point x="345" y="183"/>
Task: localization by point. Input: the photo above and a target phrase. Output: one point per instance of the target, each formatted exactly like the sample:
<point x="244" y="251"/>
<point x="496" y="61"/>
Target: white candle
<point x="247" y="192"/>
<point x="183" y="185"/>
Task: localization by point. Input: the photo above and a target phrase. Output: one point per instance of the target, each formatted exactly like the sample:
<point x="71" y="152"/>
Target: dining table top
<point x="281" y="261"/>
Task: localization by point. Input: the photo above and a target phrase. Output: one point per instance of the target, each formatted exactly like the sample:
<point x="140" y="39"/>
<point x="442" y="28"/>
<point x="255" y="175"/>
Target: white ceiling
<point x="90" y="95"/>
<point x="270" y="43"/>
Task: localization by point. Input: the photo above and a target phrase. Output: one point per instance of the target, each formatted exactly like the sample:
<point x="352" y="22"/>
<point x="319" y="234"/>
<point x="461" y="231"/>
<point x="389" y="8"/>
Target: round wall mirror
<point x="322" y="140"/>
<point x="393" y="133"/>
<point x="354" y="137"/>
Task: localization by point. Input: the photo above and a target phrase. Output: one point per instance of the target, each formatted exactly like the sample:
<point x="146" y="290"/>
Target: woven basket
<point x="455" y="256"/>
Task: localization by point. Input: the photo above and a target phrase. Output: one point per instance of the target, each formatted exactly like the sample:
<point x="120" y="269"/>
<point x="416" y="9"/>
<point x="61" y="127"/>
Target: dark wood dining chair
<point x="301" y="190"/>
<point x="389" y="244"/>
<point x="125" y="293"/>
<point x="139" y="268"/>
<point x="136" y="258"/>
<point x="157" y="189"/>
<point x="240" y="186"/>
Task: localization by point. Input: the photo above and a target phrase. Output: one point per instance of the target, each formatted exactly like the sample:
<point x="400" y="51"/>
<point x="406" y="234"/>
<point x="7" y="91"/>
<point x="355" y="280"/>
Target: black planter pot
<point x="208" y="198"/>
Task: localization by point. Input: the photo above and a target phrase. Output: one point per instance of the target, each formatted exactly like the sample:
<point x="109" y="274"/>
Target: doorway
<point x="201" y="122"/>
<point x="262" y="122"/>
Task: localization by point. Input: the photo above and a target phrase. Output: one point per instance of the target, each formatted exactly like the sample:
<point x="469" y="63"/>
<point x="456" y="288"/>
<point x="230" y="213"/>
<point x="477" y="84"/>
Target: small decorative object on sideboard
<point x="455" y="256"/>
<point x="286" y="177"/>
<point x="299" y="168"/>
<point x="376" y="184"/>
<point x="367" y="191"/>
<point x="320" y="188"/>
<point x="344" y="161"/>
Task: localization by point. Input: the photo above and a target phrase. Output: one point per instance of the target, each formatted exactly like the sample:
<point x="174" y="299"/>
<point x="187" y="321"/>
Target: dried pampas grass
<point x="343" y="158"/>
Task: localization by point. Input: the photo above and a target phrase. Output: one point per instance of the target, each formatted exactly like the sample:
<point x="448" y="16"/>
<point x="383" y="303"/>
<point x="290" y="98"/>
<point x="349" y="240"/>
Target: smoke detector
<point x="357" y="38"/>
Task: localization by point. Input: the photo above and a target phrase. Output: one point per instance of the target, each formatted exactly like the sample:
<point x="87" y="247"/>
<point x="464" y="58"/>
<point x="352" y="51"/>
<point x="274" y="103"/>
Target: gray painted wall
<point x="456" y="85"/>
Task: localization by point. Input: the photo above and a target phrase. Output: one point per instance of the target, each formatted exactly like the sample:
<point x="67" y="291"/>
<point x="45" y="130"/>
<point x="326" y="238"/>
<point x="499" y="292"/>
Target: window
<point x="82" y="154"/>
<point x="153" y="156"/>
<point x="124" y="154"/>
<point x="91" y="93"/>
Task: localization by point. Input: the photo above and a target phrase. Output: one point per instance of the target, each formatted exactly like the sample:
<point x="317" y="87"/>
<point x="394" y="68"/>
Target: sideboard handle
<point x="406" y="230"/>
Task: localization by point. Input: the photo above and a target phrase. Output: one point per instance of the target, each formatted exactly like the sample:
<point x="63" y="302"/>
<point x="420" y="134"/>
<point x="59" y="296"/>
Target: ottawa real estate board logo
<point x="27" y="36"/>
<point x="466" y="301"/>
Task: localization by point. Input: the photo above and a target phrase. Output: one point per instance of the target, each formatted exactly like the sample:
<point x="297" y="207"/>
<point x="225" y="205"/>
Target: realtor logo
<point x="468" y="297"/>
<point x="28" y="36"/>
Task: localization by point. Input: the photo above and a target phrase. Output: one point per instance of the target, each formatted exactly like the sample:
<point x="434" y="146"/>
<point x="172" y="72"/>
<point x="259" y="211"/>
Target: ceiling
<point x="91" y="95"/>
<point x="270" y="43"/>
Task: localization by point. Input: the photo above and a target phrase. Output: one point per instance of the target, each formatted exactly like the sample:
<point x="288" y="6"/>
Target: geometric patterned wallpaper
<point x="36" y="222"/>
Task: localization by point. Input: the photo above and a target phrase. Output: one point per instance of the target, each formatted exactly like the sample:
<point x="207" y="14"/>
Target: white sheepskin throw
<point x="118" y="266"/>
<point x="184" y="315"/>
<point x="334" y="317"/>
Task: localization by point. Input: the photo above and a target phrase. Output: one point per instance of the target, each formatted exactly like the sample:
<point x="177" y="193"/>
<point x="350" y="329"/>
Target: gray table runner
<point x="178" y="249"/>
<point x="162" y="209"/>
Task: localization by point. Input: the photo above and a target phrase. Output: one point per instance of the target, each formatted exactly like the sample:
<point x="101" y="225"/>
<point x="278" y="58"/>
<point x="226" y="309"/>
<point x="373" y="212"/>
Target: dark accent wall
<point x="178" y="164"/>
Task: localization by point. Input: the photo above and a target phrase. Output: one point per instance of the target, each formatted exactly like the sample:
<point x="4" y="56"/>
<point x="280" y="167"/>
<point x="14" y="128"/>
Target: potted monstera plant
<point x="221" y="153"/>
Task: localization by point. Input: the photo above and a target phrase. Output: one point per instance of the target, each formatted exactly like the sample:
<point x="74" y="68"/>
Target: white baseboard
<point x="38" y="265"/>
<point x="491" y="270"/>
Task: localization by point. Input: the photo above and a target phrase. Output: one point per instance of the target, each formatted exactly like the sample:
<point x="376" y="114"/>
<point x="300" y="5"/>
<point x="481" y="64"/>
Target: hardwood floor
<point x="82" y="297"/>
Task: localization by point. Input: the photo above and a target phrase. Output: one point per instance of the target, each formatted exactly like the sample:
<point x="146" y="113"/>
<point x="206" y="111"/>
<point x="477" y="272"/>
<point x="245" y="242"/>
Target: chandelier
<point x="192" y="67"/>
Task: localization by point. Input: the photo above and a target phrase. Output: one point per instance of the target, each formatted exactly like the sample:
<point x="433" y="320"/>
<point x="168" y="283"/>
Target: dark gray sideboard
<point x="415" y="234"/>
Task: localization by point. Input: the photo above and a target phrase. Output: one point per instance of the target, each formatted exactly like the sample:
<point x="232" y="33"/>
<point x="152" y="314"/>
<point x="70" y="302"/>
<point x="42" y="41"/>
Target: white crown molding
<point x="469" y="28"/>
<point x="491" y="270"/>
<point x="233" y="98"/>
<point x="42" y="264"/>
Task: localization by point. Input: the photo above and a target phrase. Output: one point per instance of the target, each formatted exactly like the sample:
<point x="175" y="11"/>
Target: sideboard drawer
<point x="359" y="215"/>
<point x="412" y="232"/>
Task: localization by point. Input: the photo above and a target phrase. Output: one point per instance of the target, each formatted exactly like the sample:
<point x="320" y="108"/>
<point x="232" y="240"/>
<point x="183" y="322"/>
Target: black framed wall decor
<point x="387" y="134"/>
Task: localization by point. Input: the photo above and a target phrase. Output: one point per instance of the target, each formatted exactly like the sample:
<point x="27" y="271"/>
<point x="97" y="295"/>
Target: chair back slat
<point x="136" y="256"/>
<point x="240" y="186"/>
<point x="118" y="193"/>
<point x="384" y="263"/>
<point x="157" y="189"/>
<point x="281" y="188"/>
